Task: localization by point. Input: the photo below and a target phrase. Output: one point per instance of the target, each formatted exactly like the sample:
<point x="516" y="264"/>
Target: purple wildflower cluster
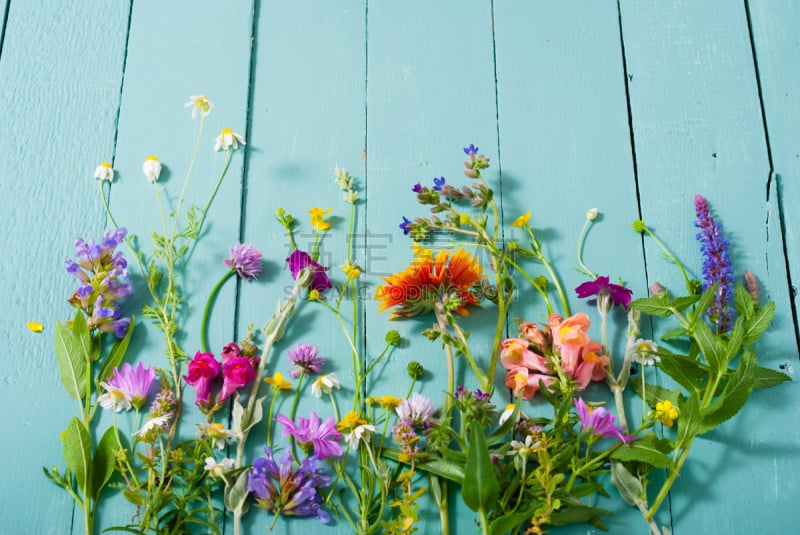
<point x="102" y="273"/>
<point x="716" y="264"/>
<point x="280" y="488"/>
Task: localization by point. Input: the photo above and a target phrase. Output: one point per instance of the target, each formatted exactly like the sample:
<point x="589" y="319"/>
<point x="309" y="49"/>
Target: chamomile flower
<point x="361" y="433"/>
<point x="218" y="469"/>
<point x="524" y="449"/>
<point x="644" y="352"/>
<point x="104" y="172"/>
<point x="158" y="422"/>
<point x="508" y="411"/>
<point x="152" y="168"/>
<point x="115" y="398"/>
<point x="216" y="432"/>
<point x="325" y="384"/>
<point x="199" y="103"/>
<point x="228" y="139"/>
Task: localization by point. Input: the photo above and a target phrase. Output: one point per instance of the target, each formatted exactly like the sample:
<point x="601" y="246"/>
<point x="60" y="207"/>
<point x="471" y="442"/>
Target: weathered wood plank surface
<point x="629" y="107"/>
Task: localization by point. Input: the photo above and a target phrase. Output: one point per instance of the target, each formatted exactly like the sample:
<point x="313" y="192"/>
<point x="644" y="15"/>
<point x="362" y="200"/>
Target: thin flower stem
<point x="448" y="400"/>
<point x="188" y="174"/>
<point x="581" y="238"/>
<point x="542" y="292"/>
<point x="333" y="404"/>
<point x="216" y="189"/>
<point x="673" y="475"/>
<point x="207" y="309"/>
<point x="479" y="374"/>
<point x="669" y="255"/>
<point x="411" y="388"/>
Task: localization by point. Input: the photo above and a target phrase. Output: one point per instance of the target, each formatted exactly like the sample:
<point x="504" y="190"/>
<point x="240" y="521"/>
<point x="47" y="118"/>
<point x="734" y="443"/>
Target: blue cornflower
<point x="716" y="264"/>
<point x="405" y="226"/>
<point x="438" y="183"/>
<point x="471" y="150"/>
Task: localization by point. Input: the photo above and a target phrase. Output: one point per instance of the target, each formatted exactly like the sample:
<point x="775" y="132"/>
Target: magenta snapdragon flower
<point x="599" y="421"/>
<point x="203" y="369"/>
<point x="601" y="287"/>
<point x="313" y="434"/>
<point x="134" y="381"/>
<point x="236" y="373"/>
<point x="305" y="360"/>
<point x="300" y="260"/>
<point x="245" y="260"/>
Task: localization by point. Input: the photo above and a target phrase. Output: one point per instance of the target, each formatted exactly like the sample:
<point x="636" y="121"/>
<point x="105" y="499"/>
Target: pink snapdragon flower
<point x="236" y="373"/>
<point x="203" y="369"/>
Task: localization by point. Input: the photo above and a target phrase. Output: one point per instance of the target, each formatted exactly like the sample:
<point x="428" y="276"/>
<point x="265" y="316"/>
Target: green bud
<point x="541" y="282"/>
<point x="393" y="338"/>
<point x="695" y="287"/>
<point x="415" y="369"/>
<point x="638" y="226"/>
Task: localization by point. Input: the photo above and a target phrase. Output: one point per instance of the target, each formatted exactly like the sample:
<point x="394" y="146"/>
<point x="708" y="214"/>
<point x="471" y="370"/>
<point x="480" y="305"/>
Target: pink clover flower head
<point x="245" y="260"/>
<point x="134" y="381"/>
<point x="203" y="369"/>
<point x="305" y="360"/>
<point x="300" y="260"/>
<point x="600" y="422"/>
<point x="417" y="409"/>
<point x="602" y="288"/>
<point x="314" y="434"/>
<point x="236" y="373"/>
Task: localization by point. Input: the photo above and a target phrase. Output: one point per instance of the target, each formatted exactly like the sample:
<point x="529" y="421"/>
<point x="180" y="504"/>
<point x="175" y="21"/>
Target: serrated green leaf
<point x="758" y="324"/>
<point x="734" y="396"/>
<point x="743" y="302"/>
<point x="628" y="485"/>
<point x="734" y="344"/>
<point x="767" y="378"/>
<point x="104" y="461"/>
<point x="480" y="491"/>
<point x="654" y="306"/>
<point x="652" y="394"/>
<point x="116" y="354"/>
<point x="688" y="373"/>
<point x="673" y="333"/>
<point x="78" y="452"/>
<point x="711" y="347"/>
<point x="682" y="303"/>
<point x="706" y="298"/>
<point x="649" y="449"/>
<point x="688" y="420"/>
<point x="71" y="363"/>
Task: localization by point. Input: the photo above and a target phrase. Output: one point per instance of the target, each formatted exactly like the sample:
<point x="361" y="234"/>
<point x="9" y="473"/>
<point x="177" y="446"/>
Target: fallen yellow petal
<point x="35" y="326"/>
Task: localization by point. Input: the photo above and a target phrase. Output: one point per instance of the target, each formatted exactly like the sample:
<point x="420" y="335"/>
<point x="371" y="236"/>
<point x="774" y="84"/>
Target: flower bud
<point x="152" y="168"/>
<point x="305" y="277"/>
<point x="656" y="289"/>
<point x="415" y="369"/>
<point x="393" y="338"/>
<point x="638" y="226"/>
<point x="591" y="215"/>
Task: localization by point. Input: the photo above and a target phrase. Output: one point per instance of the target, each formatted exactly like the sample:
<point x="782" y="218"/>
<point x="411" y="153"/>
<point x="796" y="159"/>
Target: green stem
<point x="479" y="374"/>
<point x="670" y="256"/>
<point x="448" y="400"/>
<point x="673" y="475"/>
<point x="581" y="238"/>
<point x="207" y="310"/>
<point x="188" y="174"/>
<point x="216" y="188"/>
<point x="335" y="408"/>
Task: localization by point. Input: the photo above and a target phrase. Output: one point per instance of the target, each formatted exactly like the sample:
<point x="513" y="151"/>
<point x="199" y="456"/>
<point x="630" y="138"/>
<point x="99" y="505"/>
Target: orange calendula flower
<point x="446" y="277"/>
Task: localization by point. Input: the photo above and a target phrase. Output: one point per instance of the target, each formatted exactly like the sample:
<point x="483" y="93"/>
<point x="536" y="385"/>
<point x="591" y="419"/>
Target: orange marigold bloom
<point x="452" y="278"/>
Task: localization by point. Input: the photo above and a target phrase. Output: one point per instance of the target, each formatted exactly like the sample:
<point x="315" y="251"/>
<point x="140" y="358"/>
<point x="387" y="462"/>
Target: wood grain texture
<point x="59" y="92"/>
<point x="698" y="129"/>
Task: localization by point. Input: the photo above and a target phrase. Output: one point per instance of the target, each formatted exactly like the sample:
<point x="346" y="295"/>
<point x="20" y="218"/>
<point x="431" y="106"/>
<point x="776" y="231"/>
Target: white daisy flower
<point x="153" y="423"/>
<point x="216" y="432"/>
<point x="362" y="432"/>
<point x="152" y="168"/>
<point x="523" y="449"/>
<point x="114" y="397"/>
<point x="199" y="103"/>
<point x="104" y="172"/>
<point x="508" y="411"/>
<point x="218" y="469"/>
<point x="325" y="384"/>
<point x="228" y="139"/>
<point x="644" y="352"/>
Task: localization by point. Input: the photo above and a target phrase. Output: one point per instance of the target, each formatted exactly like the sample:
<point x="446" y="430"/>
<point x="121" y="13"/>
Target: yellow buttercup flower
<point x="350" y="421"/>
<point x="351" y="270"/>
<point x="278" y="382"/>
<point x="666" y="413"/>
<point x="318" y="218"/>
<point x="421" y="255"/>
<point x="388" y="402"/>
<point x="522" y="220"/>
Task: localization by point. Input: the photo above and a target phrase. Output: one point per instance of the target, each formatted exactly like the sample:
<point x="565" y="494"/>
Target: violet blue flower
<point x="417" y="188"/>
<point x="405" y="226"/>
<point x="600" y="421"/>
<point x="471" y="150"/>
<point x="203" y="369"/>
<point x="300" y="260"/>
<point x="305" y="360"/>
<point x="245" y="260"/>
<point x="312" y="434"/>
<point x="135" y="381"/>
<point x="600" y="287"/>
<point x="716" y="264"/>
<point x="438" y="183"/>
<point x="282" y="490"/>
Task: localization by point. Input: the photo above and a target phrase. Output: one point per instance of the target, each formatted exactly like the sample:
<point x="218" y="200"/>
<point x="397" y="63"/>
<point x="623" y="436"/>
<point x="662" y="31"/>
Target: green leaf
<point x="71" y="363"/>
<point x="743" y="302"/>
<point x="688" y="421"/>
<point x="767" y="378"/>
<point x="682" y="303"/>
<point x="649" y="449"/>
<point x="438" y="467"/>
<point x="104" y="461"/>
<point x="734" y="344"/>
<point x="675" y="332"/>
<point x="258" y="413"/>
<point x="687" y="372"/>
<point x="628" y="485"/>
<point x="81" y="333"/>
<point x="509" y="523"/>
<point x="734" y="396"/>
<point x="654" y="306"/>
<point x="758" y="324"/>
<point x="116" y="354"/>
<point x="238" y="415"/>
<point x="653" y="393"/>
<point x="576" y="513"/>
<point x="236" y="496"/>
<point x="78" y="452"/>
<point x="706" y="298"/>
<point x="480" y="490"/>
<point x="500" y="433"/>
<point x="710" y="346"/>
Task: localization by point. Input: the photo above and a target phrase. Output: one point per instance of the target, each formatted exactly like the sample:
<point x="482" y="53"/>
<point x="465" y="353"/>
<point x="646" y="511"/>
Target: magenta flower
<point x="305" y="360"/>
<point x="600" y="287"/>
<point x="300" y="260"/>
<point x="203" y="369"/>
<point x="135" y="382"/>
<point x="236" y="373"/>
<point x="599" y="421"/>
<point x="245" y="260"/>
<point x="310" y="434"/>
<point x="231" y="350"/>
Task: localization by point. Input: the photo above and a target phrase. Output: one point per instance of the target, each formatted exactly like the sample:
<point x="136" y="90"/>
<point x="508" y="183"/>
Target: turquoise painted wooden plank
<point x="4" y="14"/>
<point x="59" y="89"/>
<point x="565" y="148"/>
<point x="174" y="51"/>
<point x="430" y="93"/>
<point x="777" y="44"/>
<point x="698" y="129"/>
<point x="307" y="117"/>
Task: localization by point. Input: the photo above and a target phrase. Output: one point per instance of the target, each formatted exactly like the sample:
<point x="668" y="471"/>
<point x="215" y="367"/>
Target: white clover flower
<point x="216" y="432"/>
<point x="218" y="469"/>
<point x="324" y="384"/>
<point x="228" y="139"/>
<point x="644" y="352"/>
<point x="114" y="397"/>
<point x="362" y="432"/>
<point x="152" y="168"/>
<point x="153" y="423"/>
<point x="199" y="103"/>
<point x="104" y="172"/>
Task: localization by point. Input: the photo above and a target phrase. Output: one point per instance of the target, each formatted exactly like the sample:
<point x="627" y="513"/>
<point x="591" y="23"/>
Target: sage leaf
<point x="758" y="323"/>
<point x="710" y="346"/>
<point x="688" y="421"/>
<point x="743" y="302"/>
<point x="104" y="461"/>
<point x="734" y="395"/>
<point x="480" y="490"/>
<point x="78" y="452"/>
<point x="71" y="363"/>
<point x="236" y="496"/>
<point x="767" y="378"/>
<point x="628" y="485"/>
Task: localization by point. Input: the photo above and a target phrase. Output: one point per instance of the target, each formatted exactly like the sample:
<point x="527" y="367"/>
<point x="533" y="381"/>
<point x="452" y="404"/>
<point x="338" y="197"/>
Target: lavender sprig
<point x="716" y="264"/>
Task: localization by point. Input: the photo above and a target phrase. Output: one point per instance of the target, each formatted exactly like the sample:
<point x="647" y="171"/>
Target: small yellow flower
<point x="351" y="270"/>
<point x="421" y="255"/>
<point x="318" y="218"/>
<point x="278" y="382"/>
<point x="350" y="421"/>
<point x="388" y="402"/>
<point x="314" y="295"/>
<point x="522" y="220"/>
<point x="35" y="326"/>
<point x="666" y="413"/>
